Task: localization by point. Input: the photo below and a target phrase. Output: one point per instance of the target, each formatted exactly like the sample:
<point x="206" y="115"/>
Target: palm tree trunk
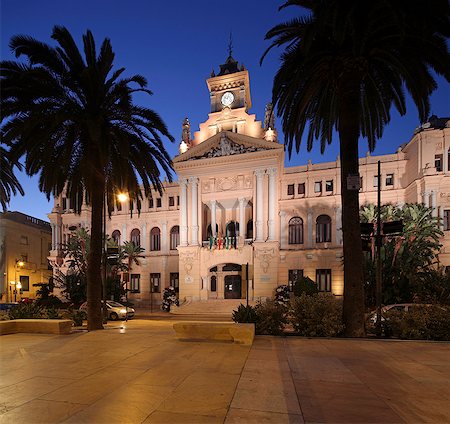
<point x="353" y="311"/>
<point x="94" y="279"/>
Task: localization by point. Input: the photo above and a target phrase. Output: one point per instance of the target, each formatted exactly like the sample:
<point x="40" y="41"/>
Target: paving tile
<point x="239" y="416"/>
<point x="40" y="411"/>
<point x="202" y="394"/>
<point x="27" y="390"/>
<point x="130" y="404"/>
<point x="164" y="417"/>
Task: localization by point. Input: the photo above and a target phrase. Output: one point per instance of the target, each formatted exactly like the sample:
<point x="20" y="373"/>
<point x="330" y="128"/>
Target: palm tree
<point x="74" y="119"/>
<point x="8" y="181"/>
<point x="131" y="253"/>
<point x="344" y="66"/>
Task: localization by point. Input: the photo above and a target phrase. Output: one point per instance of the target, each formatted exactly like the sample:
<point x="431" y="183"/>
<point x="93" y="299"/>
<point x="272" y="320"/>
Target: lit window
<point x="438" y="162"/>
<point x="295" y="231"/>
<point x="174" y="237"/>
<point x="323" y="280"/>
<point x="155" y="239"/>
<point x="390" y="179"/>
<point x="301" y="188"/>
<point x="155" y="282"/>
<point x="323" y="229"/>
<point x="175" y="281"/>
<point x="25" y="281"/>
<point x="135" y="283"/>
<point x="446" y="220"/>
<point x="293" y="276"/>
<point x="136" y="237"/>
<point x="318" y="187"/>
<point x="375" y="180"/>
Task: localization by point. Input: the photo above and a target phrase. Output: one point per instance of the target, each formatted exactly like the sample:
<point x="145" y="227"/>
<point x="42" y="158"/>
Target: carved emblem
<point x="226" y="183"/>
<point x="265" y="256"/>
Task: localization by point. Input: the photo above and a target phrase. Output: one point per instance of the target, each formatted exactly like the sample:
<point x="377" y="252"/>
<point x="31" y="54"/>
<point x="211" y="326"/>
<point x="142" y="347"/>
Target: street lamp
<point x="18" y="287"/>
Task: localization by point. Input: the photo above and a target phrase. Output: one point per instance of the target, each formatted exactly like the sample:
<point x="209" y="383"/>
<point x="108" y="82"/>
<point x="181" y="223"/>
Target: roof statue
<point x="269" y="117"/>
<point x="186" y="141"/>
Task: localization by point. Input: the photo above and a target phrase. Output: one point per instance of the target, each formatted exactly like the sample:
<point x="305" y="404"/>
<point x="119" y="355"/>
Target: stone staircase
<point x="209" y="307"/>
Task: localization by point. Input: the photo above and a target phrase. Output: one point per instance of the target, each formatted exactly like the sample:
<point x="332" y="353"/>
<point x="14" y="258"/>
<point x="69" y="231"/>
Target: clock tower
<point x="230" y="87"/>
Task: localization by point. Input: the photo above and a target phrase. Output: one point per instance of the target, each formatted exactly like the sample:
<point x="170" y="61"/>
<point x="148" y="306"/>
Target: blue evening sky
<point x="175" y="45"/>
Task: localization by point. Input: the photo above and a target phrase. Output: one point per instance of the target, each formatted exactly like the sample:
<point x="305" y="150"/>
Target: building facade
<point x="238" y="222"/>
<point x="24" y="247"/>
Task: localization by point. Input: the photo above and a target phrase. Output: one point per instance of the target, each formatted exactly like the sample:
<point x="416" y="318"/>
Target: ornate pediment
<point x="227" y="147"/>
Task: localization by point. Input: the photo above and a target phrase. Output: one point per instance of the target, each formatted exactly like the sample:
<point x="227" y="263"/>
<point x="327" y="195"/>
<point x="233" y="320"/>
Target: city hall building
<point x="235" y="203"/>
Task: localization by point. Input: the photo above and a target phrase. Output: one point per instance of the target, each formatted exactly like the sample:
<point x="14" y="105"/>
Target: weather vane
<point x="230" y="45"/>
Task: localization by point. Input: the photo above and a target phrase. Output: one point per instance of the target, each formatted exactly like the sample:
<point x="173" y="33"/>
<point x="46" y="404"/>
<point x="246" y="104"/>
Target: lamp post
<point x="18" y="287"/>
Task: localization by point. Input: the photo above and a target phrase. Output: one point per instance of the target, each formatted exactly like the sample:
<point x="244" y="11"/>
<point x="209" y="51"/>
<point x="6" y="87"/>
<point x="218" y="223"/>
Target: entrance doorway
<point x="233" y="287"/>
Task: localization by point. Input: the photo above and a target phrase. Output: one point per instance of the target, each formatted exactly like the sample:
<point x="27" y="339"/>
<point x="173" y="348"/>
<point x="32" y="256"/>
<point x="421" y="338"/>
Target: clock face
<point x="227" y="98"/>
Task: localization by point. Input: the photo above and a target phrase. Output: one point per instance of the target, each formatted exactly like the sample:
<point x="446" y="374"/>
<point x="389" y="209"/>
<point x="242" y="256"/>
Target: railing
<point x="225" y="243"/>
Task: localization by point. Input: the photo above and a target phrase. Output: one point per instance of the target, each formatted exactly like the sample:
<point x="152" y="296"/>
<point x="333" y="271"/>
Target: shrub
<point x="317" y="315"/>
<point x="245" y="314"/>
<point x="282" y="295"/>
<point x="305" y="285"/>
<point x="25" y="311"/>
<point x="271" y="317"/>
<point x="77" y="317"/>
<point x="419" y="323"/>
<point x="52" y="313"/>
<point x="169" y="298"/>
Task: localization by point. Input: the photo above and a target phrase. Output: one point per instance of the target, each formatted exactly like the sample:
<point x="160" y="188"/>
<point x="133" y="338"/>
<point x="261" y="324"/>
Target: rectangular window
<point x="318" y="187"/>
<point x="329" y="185"/>
<point x="447" y="220"/>
<point x="290" y="189"/>
<point x="158" y="202"/>
<point x="438" y="162"/>
<point x="389" y="179"/>
<point x="178" y="200"/>
<point x="175" y="281"/>
<point x="155" y="282"/>
<point x="150" y="203"/>
<point x="25" y="281"/>
<point x="323" y="279"/>
<point x="64" y="204"/>
<point x="301" y="188"/>
<point x="375" y="180"/>
<point x="171" y="201"/>
<point x="135" y="283"/>
<point x="23" y="240"/>
<point x="360" y="183"/>
<point x="293" y="276"/>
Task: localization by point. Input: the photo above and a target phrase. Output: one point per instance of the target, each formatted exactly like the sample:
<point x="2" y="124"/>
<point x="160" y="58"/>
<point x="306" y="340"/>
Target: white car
<point x="115" y="310"/>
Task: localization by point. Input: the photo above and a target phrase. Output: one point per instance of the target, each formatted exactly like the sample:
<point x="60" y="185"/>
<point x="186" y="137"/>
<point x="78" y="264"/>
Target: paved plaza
<point x="137" y="372"/>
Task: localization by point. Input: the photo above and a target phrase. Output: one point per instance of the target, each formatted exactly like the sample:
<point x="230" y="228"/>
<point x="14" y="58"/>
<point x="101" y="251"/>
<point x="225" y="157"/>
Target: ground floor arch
<point x="226" y="281"/>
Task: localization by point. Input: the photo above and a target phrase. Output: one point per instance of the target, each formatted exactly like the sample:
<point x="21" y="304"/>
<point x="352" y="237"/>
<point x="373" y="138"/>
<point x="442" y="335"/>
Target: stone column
<point x="242" y="223"/>
<point x="282" y="229"/>
<point x="124" y="235"/>
<point x="441" y="216"/>
<point x="259" y="204"/>
<point x="213" y="218"/>
<point x="194" y="209"/>
<point x="272" y="201"/>
<point x="53" y="235"/>
<point x="426" y="198"/>
<point x="338" y="225"/>
<point x="183" y="213"/>
<point x="433" y="204"/>
<point x="58" y="236"/>
<point x="310" y="229"/>
<point x="164" y="237"/>
<point x="144" y="244"/>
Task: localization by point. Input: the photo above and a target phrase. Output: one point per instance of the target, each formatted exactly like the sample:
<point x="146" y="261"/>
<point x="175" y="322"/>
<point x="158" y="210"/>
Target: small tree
<point x="305" y="285"/>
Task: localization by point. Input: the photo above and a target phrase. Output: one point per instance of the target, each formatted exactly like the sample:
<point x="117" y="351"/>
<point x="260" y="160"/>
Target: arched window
<point x="155" y="239"/>
<point x="174" y="237"/>
<point x="116" y="237"/>
<point x="250" y="229"/>
<point x="295" y="230"/>
<point x="230" y="229"/>
<point x="323" y="229"/>
<point x="213" y="283"/>
<point x="136" y="237"/>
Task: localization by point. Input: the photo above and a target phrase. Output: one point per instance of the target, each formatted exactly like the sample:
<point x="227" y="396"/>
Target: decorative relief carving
<point x="265" y="256"/>
<point x="226" y="183"/>
<point x="248" y="181"/>
<point x="188" y="258"/>
<point x="227" y="148"/>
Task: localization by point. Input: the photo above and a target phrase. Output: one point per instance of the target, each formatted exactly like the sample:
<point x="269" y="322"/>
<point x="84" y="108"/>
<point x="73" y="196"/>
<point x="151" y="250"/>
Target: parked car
<point x="399" y="307"/>
<point x="115" y="310"/>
